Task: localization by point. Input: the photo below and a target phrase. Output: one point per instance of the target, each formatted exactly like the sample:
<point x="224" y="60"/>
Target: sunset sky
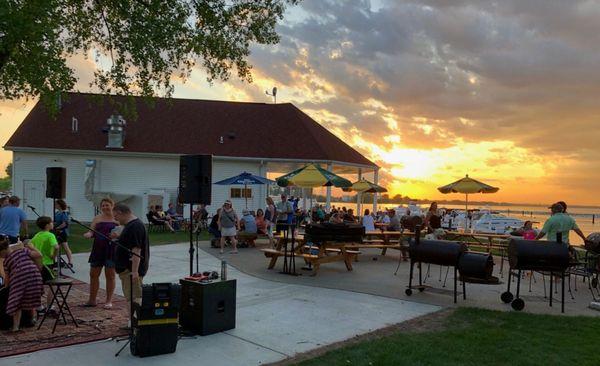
<point x="505" y="91"/>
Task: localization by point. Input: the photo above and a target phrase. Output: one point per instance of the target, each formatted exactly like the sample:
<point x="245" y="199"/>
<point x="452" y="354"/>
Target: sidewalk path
<point x="274" y="320"/>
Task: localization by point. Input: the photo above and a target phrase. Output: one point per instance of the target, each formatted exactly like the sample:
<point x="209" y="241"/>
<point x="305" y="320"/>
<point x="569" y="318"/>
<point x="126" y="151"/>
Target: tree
<point x="147" y="42"/>
<point x="8" y="170"/>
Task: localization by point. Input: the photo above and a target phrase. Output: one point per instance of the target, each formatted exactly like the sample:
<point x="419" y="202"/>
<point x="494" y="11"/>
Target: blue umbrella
<point x="245" y="179"/>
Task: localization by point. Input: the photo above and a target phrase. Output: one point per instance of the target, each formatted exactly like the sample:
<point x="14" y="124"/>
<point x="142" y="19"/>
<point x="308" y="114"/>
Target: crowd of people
<point x="115" y="230"/>
<point x="27" y="264"/>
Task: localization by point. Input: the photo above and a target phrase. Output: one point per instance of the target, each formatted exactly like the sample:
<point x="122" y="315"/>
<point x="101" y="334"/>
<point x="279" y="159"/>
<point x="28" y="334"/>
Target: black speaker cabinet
<point x="207" y="308"/>
<point x="195" y="179"/>
<point x="155" y="322"/>
<point x="56" y="182"/>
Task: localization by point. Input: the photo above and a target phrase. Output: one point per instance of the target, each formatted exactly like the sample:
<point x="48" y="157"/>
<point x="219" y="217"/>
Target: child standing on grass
<point x="45" y="242"/>
<point x="22" y="268"/>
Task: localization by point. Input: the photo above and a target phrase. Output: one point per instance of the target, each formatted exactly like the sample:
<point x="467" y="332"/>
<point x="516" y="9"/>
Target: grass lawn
<point x="79" y="244"/>
<point x="471" y="336"/>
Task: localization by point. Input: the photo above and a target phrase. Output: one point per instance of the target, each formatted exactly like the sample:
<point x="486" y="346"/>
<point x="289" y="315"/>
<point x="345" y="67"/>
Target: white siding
<point x="127" y="175"/>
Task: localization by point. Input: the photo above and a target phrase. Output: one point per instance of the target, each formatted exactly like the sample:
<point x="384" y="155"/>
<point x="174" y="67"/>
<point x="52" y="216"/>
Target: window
<point x="241" y="193"/>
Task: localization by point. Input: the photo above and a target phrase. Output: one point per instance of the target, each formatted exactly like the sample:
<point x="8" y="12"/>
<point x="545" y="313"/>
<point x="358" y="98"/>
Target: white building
<point x="139" y="164"/>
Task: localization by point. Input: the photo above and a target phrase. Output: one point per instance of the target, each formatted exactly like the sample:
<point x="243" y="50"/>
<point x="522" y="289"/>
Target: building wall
<point x="138" y="176"/>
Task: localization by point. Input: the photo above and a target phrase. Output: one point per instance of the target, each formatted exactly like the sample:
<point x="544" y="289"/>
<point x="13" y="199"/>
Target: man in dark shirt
<point x="135" y="238"/>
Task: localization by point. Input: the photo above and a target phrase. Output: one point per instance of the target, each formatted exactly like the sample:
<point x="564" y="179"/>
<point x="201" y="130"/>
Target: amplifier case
<point x="207" y="308"/>
<point x="155" y="322"/>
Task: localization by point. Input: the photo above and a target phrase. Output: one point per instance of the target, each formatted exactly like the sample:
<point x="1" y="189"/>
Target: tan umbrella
<point x="364" y="186"/>
<point x="467" y="186"/>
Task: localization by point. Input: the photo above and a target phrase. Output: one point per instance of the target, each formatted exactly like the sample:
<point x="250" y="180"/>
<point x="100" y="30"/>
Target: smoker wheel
<point x="408" y="292"/>
<point x="594" y="282"/>
<point x="518" y="304"/>
<point x="421" y="289"/>
<point x="506" y="297"/>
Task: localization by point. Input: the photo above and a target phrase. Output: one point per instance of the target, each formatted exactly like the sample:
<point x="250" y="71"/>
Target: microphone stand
<point x="131" y="254"/>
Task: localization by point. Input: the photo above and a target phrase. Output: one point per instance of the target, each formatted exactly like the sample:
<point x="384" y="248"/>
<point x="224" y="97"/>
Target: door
<point x="34" y="195"/>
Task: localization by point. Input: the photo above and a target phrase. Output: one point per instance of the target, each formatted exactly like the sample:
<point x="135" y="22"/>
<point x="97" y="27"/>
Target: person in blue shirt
<point x="12" y="220"/>
<point x="61" y="228"/>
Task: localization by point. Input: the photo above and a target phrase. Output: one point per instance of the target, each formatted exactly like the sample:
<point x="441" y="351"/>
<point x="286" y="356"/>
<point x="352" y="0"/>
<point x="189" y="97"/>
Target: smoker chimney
<point x="116" y="134"/>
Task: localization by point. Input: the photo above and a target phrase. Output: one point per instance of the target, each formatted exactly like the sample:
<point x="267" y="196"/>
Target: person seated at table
<point x="261" y="224"/>
<point x="394" y="224"/>
<point x="175" y="218"/>
<point x="320" y="213"/>
<point x="336" y="218"/>
<point x="314" y="218"/>
<point x="349" y="216"/>
<point x="163" y="215"/>
<point x="527" y="231"/>
<point x="248" y="228"/>
<point x="368" y="221"/>
<point x="155" y="219"/>
<point x="22" y="273"/>
<point x="384" y="218"/>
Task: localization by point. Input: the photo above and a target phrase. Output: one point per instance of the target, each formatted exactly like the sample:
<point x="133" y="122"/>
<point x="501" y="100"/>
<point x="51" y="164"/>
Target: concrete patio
<point x="275" y="319"/>
<point x="374" y="274"/>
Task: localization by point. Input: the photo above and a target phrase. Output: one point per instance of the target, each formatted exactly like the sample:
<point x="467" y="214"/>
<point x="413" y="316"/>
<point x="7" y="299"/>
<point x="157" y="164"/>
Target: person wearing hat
<point x="229" y="224"/>
<point x="559" y="222"/>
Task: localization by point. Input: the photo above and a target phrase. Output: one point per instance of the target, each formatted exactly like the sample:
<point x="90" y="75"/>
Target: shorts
<point x="228" y="231"/>
<point x="108" y="263"/>
<point x="61" y="236"/>
<point x="126" y="284"/>
<point x="47" y="274"/>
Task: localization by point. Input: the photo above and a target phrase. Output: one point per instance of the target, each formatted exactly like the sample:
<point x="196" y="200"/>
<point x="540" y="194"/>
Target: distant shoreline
<point x="459" y="202"/>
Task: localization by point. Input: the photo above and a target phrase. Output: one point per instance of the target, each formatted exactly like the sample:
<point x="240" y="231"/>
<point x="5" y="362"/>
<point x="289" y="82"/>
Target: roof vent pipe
<point x="116" y="133"/>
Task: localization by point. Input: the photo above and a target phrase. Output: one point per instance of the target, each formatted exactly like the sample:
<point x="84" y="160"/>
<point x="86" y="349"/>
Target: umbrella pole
<point x="466" y="212"/>
<point x="246" y="194"/>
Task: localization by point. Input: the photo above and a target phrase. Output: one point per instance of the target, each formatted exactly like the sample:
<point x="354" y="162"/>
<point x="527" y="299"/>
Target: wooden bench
<point x="274" y="254"/>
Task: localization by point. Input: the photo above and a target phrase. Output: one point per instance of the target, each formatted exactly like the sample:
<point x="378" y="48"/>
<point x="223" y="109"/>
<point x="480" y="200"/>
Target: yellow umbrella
<point x="467" y="186"/>
<point x="364" y="186"/>
<point x="311" y="176"/>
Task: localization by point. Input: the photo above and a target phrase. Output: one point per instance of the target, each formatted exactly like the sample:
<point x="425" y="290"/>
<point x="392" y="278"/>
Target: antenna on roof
<point x="273" y="94"/>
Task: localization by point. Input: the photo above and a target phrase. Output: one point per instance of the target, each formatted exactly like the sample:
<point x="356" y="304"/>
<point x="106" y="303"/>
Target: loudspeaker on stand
<point x="195" y="179"/>
<point x="56" y="182"/>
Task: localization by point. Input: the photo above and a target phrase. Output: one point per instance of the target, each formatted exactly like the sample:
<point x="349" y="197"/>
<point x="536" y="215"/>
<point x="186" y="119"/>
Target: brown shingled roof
<point x="187" y="126"/>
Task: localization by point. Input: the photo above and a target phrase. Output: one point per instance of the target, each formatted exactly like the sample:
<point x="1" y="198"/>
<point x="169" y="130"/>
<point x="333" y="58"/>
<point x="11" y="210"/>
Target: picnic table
<point x="326" y="252"/>
<point x="490" y="241"/>
<point x="501" y="239"/>
<point x="384" y="240"/>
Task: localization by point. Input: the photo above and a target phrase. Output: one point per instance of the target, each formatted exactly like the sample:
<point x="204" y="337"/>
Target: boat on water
<point x="482" y="221"/>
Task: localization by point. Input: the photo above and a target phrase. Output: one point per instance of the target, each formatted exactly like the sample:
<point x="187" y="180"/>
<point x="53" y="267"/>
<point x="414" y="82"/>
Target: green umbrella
<point x="311" y="176"/>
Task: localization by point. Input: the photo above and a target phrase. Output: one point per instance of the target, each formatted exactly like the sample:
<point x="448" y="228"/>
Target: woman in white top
<point x="367" y="221"/>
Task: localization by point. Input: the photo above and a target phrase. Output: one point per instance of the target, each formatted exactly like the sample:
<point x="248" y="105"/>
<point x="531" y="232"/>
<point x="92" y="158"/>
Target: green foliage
<point x="5" y="184"/>
<point x="481" y="337"/>
<point x="143" y="44"/>
<point x="79" y="244"/>
<point x="9" y="169"/>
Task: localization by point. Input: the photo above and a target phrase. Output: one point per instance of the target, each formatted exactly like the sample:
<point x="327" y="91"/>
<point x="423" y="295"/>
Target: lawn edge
<point x="417" y="324"/>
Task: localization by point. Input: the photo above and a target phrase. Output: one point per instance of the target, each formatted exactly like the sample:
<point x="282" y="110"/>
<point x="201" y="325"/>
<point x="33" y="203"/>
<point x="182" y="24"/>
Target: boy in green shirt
<point x="45" y="242"/>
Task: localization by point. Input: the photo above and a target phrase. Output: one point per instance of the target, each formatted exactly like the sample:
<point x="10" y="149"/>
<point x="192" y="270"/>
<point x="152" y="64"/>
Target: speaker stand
<point x="191" y="239"/>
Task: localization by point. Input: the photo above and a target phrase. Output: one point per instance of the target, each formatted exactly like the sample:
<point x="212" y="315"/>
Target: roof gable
<point x="187" y="126"/>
